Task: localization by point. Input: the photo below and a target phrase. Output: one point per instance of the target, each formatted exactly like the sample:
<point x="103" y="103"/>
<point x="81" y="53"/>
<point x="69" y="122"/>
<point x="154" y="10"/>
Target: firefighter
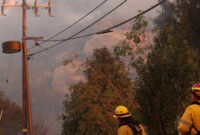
<point x="189" y="124"/>
<point x="127" y="124"/>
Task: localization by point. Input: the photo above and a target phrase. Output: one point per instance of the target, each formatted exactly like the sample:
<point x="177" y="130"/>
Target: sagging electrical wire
<point x="107" y="30"/>
<point x="130" y="19"/>
<point x="75" y="22"/>
<point x="87" y="35"/>
<point x="82" y="29"/>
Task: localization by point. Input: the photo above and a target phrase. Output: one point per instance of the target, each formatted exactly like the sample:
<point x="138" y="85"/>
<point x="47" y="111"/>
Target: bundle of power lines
<point x="110" y="29"/>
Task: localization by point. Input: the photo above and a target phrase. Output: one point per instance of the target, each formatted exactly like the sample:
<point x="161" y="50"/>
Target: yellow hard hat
<point x="122" y="112"/>
<point x="196" y="90"/>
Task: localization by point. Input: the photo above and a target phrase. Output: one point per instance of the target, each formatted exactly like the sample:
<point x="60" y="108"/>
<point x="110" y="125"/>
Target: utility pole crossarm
<point x="11" y="5"/>
<point x="28" y="5"/>
<point x="34" y="6"/>
<point x="37" y="6"/>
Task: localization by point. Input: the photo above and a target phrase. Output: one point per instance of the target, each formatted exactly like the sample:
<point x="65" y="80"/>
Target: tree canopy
<point x="165" y="71"/>
<point x="171" y="67"/>
<point x="89" y="109"/>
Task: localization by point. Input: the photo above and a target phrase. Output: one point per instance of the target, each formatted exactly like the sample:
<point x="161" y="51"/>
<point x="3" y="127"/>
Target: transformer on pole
<point x="16" y="46"/>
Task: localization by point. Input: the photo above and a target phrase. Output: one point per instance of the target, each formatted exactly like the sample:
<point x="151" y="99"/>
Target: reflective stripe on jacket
<point x="126" y="130"/>
<point x="190" y="117"/>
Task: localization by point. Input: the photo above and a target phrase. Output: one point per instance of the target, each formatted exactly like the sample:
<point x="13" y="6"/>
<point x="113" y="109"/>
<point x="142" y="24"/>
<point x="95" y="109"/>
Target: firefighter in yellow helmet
<point x="190" y="122"/>
<point x="127" y="124"/>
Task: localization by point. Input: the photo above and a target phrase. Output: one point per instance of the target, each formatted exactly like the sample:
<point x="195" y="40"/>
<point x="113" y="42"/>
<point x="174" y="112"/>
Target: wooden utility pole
<point x="26" y="89"/>
<point x="27" y="116"/>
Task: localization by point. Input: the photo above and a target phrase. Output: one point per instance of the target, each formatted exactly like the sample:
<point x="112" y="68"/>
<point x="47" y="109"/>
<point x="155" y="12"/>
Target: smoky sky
<point x="49" y="79"/>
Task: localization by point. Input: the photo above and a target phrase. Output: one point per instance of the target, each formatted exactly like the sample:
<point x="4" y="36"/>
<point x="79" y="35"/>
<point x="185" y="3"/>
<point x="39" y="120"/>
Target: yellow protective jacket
<point x="126" y="130"/>
<point x="190" y="117"/>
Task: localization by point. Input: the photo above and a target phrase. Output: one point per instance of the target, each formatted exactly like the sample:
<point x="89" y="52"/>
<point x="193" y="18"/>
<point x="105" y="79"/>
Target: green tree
<point x="163" y="84"/>
<point x="90" y="107"/>
<point x="169" y="70"/>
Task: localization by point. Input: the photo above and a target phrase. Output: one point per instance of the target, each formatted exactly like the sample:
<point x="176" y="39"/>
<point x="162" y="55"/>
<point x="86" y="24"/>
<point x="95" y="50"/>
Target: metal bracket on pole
<point x="2" y="8"/>
<point x="3" y="5"/>
<point x="36" y="8"/>
<point x="32" y="38"/>
<point x="49" y="9"/>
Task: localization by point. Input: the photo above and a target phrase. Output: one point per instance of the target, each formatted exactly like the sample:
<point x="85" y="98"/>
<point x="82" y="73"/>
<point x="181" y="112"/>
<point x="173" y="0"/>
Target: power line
<point x="99" y="32"/>
<point x="87" y="35"/>
<point x="75" y="22"/>
<point x="130" y="19"/>
<point x="107" y="30"/>
<point x="80" y="30"/>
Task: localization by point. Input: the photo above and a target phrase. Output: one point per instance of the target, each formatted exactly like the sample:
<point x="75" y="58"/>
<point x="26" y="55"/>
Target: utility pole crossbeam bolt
<point x="27" y="116"/>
